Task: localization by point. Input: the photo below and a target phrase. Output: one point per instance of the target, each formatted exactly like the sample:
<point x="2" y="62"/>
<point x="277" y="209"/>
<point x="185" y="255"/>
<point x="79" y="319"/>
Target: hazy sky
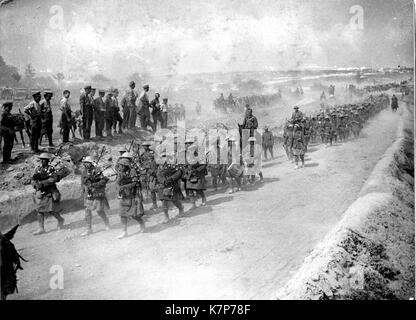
<point x="119" y="37"/>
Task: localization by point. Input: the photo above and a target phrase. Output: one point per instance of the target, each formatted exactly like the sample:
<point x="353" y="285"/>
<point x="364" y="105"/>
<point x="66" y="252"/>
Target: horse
<point x="20" y="124"/>
<point x="9" y="264"/>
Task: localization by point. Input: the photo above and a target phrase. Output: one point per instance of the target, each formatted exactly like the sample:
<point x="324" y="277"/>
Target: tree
<point x="101" y="80"/>
<point x="9" y="76"/>
<point x="30" y="72"/>
<point x="59" y="77"/>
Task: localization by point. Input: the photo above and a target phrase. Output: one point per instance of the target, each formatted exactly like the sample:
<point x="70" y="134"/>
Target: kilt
<point x="197" y="184"/>
<point x="170" y="193"/>
<point x="98" y="204"/>
<point x="298" y="152"/>
<point x="46" y="202"/>
<point x="128" y="207"/>
<point x="235" y="170"/>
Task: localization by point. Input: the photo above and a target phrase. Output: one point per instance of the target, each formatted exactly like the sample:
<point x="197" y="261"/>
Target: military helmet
<point x="252" y="139"/>
<point x="127" y="155"/>
<point x="44" y="156"/>
<point x="158" y="138"/>
<point x="88" y="159"/>
<point x="189" y="140"/>
<point x="125" y="162"/>
<point x="7" y="104"/>
<point x="122" y="149"/>
<point x="146" y="143"/>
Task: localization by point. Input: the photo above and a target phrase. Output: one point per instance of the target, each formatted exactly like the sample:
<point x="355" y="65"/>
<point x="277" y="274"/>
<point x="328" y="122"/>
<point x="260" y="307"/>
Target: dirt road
<point x="241" y="246"/>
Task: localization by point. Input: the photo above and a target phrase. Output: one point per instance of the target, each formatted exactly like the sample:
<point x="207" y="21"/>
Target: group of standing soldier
<point x="103" y="110"/>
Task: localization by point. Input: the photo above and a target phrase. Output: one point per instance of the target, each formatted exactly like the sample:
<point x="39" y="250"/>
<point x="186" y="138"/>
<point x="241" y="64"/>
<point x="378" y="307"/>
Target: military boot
<point x="41" y="223"/>
<point x="124" y="234"/>
<point x="141" y="223"/>
<point x="166" y="220"/>
<point x="61" y="220"/>
<point x="88" y="230"/>
<point x="105" y="219"/>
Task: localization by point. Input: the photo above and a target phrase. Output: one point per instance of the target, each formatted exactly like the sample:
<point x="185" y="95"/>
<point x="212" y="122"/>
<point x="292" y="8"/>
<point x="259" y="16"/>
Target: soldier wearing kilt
<point x="327" y="130"/>
<point x="168" y="182"/>
<point x="195" y="182"/>
<point x="287" y="140"/>
<point x="218" y="171"/>
<point x="235" y="171"/>
<point x="131" y="202"/>
<point x="299" y="146"/>
<point x="148" y="170"/>
<point x="93" y="183"/>
<point x="47" y="196"/>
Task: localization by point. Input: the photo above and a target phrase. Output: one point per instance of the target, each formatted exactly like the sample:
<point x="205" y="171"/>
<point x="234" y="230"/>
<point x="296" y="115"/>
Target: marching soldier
<point x="235" y="170"/>
<point x="99" y="113"/>
<point x="168" y="180"/>
<point x="33" y="110"/>
<point x="148" y="170"/>
<point x="87" y="111"/>
<point x="287" y="140"/>
<point x="195" y="181"/>
<point x="47" y="117"/>
<point x="394" y="103"/>
<point x="7" y="132"/>
<point x="327" y="131"/>
<point x="47" y="195"/>
<point x="93" y="184"/>
<point x="298" y="145"/>
<point x="267" y="142"/>
<point x="129" y="194"/>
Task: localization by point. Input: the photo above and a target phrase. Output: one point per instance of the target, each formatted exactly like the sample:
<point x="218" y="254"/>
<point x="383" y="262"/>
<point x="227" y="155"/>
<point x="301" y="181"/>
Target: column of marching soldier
<point x="137" y="172"/>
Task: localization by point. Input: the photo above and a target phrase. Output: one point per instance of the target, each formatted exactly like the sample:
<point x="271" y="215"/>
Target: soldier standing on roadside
<point x="128" y="104"/>
<point x="47" y="117"/>
<point x="144" y="111"/>
<point x="99" y="113"/>
<point x="93" y="184"/>
<point x="33" y="109"/>
<point x="86" y="107"/>
<point x="156" y="112"/>
<point x="7" y="132"/>
<point x="116" y="113"/>
<point x="66" y="116"/>
<point x="47" y="195"/>
<point x="109" y="114"/>
<point x="164" y="111"/>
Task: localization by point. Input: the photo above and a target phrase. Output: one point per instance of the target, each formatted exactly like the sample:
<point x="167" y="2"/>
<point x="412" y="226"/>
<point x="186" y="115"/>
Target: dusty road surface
<point x="240" y="246"/>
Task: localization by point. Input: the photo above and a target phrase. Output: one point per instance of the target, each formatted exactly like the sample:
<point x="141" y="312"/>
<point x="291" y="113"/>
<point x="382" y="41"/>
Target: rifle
<point x="101" y="154"/>
<point x="131" y="145"/>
